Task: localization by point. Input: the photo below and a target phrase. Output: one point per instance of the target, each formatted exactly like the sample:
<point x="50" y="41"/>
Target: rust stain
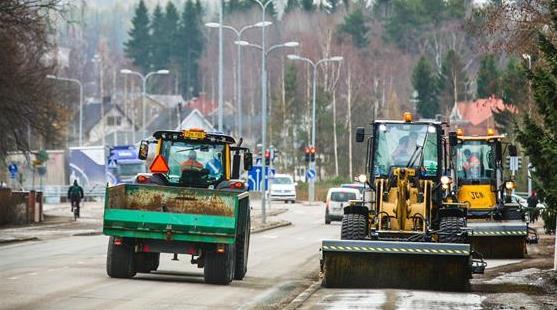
<point x="150" y="200"/>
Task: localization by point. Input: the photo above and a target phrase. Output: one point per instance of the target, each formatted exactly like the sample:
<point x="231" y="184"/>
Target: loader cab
<point x="195" y="158"/>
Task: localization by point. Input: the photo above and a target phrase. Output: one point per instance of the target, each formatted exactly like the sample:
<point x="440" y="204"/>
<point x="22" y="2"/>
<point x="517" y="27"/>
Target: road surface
<point x="69" y="273"/>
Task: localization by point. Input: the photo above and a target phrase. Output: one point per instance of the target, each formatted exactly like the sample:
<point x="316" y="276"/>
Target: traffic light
<point x="312" y="153"/>
<point x="306" y="151"/>
<point x="267" y="157"/>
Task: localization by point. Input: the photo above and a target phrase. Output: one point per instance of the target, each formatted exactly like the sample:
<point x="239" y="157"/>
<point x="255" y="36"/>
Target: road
<point x="69" y="273"/>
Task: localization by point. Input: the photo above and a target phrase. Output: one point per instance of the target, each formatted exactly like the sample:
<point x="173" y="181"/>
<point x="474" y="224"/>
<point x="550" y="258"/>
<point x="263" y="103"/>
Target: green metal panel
<point x="171" y="213"/>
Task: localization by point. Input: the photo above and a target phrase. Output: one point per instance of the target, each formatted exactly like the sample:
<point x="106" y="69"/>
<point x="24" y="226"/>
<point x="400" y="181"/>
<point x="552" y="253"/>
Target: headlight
<point x="509" y="185"/>
<point x="362" y="178"/>
<point x="445" y="180"/>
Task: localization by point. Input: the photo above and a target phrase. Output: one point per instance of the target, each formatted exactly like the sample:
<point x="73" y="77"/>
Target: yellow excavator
<point x="496" y="226"/>
<point x="410" y="235"/>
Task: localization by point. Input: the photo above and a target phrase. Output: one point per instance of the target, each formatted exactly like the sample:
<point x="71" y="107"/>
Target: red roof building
<point x="475" y="117"/>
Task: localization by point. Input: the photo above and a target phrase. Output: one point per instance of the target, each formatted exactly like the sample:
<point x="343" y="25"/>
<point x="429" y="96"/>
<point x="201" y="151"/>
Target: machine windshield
<point x="194" y="163"/>
<point x="406" y="145"/>
<point x="131" y="169"/>
<point x="475" y="161"/>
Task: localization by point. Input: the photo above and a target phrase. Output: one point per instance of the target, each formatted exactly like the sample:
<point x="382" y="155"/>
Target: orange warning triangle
<point x="159" y="165"/>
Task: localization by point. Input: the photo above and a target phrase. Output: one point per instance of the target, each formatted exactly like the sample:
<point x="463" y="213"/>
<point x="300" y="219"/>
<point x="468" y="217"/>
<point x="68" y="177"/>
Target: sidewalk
<point x="59" y="223"/>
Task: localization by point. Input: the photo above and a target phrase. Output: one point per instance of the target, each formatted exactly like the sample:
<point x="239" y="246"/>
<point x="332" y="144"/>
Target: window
<point x="113" y="121"/>
<point x="406" y="145"/>
<point x="342" y="196"/>
<point x="475" y="161"/>
<point x="281" y="180"/>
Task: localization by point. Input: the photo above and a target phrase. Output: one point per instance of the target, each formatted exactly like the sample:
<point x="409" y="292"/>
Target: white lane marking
<point x="270" y="236"/>
<point x="80" y="263"/>
<point x="32" y="274"/>
<point x="13" y="278"/>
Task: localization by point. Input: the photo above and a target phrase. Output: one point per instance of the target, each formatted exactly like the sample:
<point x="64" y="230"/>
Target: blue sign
<point x="255" y="177"/>
<point x="12" y="168"/>
<point x="112" y="163"/>
<point x="310" y="174"/>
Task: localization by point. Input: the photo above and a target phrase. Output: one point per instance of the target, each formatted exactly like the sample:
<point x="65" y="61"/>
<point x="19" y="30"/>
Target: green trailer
<point x="199" y="212"/>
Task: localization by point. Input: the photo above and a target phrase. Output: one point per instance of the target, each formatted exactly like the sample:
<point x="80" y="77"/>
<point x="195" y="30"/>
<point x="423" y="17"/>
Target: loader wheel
<point x="219" y="267"/>
<point x="146" y="262"/>
<point x="242" y="251"/>
<point x="450" y="230"/>
<point x="120" y="261"/>
<point x="354" y="227"/>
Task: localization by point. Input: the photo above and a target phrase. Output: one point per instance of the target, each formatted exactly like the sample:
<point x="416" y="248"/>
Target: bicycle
<point x="75" y="210"/>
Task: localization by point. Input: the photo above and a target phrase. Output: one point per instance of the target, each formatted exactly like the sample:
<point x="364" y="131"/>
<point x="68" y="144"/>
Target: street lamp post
<point x="50" y="76"/>
<point x="238" y="93"/>
<point x="264" y="111"/>
<point x="314" y="89"/>
<point x="143" y="92"/>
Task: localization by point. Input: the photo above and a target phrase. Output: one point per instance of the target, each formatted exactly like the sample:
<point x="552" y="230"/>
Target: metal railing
<point x="95" y="191"/>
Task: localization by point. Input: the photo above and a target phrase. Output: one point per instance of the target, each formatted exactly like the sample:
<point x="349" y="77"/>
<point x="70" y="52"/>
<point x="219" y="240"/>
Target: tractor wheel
<point x="219" y="267"/>
<point x="354" y="227"/>
<point x="146" y="262"/>
<point x="450" y="230"/>
<point x="242" y="251"/>
<point x="120" y="261"/>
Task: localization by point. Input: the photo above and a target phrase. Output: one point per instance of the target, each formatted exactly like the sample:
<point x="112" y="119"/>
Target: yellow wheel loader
<point x="410" y="235"/>
<point x="496" y="224"/>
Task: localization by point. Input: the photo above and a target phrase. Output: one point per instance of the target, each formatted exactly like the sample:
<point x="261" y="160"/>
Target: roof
<point x="203" y="104"/>
<point x="197" y="120"/>
<point x="481" y="110"/>
<point x="481" y="138"/>
<point x="169" y="101"/>
<point x="212" y="136"/>
<point x="166" y="119"/>
<point x="92" y="114"/>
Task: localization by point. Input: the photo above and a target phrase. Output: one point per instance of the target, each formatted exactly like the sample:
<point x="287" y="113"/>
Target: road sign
<point x="310" y="174"/>
<point x="255" y="177"/>
<point x="12" y="168"/>
<point x="513" y="163"/>
<point x="112" y="163"/>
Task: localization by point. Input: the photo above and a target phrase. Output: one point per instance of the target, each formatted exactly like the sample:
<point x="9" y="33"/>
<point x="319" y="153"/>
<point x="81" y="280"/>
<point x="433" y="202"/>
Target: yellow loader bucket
<point x="396" y="264"/>
<point x="499" y="239"/>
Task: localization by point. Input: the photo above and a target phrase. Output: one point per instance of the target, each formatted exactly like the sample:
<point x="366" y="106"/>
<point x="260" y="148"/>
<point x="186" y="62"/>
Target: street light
<point x="238" y="83"/>
<point x="314" y="65"/>
<point x="143" y="93"/>
<point x="264" y="54"/>
<point x="53" y="77"/>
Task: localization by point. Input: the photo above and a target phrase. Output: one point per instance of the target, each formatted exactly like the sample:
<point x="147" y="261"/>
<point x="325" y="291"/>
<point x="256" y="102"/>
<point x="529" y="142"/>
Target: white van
<point x="337" y="199"/>
<point x="283" y="188"/>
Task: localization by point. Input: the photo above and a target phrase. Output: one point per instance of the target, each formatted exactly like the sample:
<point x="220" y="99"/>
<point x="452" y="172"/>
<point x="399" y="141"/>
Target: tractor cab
<point x="194" y="158"/>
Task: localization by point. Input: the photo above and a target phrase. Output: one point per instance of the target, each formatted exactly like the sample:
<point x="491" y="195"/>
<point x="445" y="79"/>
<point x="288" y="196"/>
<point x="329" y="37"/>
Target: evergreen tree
<point x="515" y="92"/>
<point x="191" y="39"/>
<point x="537" y="132"/>
<point x="355" y="25"/>
<point x="307" y="5"/>
<point x="159" y="50"/>
<point x="425" y="83"/>
<point x="171" y="29"/>
<point x="488" y="78"/>
<point x="291" y="5"/>
<point x="137" y="48"/>
<point x="452" y="81"/>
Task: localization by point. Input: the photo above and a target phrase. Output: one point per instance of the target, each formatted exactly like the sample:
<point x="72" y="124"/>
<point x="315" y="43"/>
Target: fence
<point x="59" y="193"/>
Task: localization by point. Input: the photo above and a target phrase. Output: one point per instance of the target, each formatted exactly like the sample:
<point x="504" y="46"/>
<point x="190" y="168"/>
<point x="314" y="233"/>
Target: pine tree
<point x="172" y="36"/>
<point x="425" y="83"/>
<point x="515" y="92"/>
<point x="537" y="132"/>
<point x="158" y="46"/>
<point x="307" y="5"/>
<point x="191" y="38"/>
<point x="137" y="48"/>
<point x="452" y="81"/>
<point x="488" y="78"/>
<point x="355" y="25"/>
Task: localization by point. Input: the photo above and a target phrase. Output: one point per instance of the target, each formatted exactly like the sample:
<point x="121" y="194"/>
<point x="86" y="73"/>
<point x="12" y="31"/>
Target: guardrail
<point x="61" y="191"/>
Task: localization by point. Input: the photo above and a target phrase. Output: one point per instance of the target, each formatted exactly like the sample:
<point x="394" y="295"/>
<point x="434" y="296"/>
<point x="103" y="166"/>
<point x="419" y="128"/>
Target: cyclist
<point x="75" y="194"/>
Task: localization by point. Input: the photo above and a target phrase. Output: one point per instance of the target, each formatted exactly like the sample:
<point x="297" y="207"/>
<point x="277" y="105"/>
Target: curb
<point x="270" y="226"/>
<point x="15" y="240"/>
<point x="88" y="233"/>
<point x="300" y="299"/>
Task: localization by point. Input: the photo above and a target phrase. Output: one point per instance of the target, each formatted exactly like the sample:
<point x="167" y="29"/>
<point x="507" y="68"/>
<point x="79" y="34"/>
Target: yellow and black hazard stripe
<point x="394" y="249"/>
<point x="499" y="233"/>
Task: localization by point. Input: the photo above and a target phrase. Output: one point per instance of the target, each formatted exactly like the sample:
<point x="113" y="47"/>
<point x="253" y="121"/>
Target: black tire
<point x="512" y="214"/>
<point x="450" y="229"/>
<point x="242" y="253"/>
<point x="120" y="262"/>
<point x="354" y="227"/>
<point x="146" y="262"/>
<point x="327" y="218"/>
<point x="219" y="268"/>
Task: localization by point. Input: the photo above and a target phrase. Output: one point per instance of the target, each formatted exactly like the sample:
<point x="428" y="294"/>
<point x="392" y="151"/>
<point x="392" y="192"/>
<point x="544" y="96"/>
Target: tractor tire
<point x="354" y="227"/>
<point x="146" y="262"/>
<point x="512" y="214"/>
<point x="242" y="252"/>
<point x="219" y="268"/>
<point x="450" y="228"/>
<point x="120" y="261"/>
<point x="327" y="218"/>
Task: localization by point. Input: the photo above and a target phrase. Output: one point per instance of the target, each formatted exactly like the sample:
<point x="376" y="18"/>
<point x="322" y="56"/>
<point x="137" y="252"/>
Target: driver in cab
<point x="191" y="164"/>
<point x="405" y="148"/>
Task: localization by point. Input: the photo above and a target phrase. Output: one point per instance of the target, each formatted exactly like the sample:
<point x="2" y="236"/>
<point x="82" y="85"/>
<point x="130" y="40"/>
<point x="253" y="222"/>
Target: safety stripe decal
<point x="393" y="250"/>
<point x="499" y="233"/>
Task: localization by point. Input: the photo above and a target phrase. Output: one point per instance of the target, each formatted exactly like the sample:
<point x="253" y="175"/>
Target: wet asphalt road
<point x="69" y="273"/>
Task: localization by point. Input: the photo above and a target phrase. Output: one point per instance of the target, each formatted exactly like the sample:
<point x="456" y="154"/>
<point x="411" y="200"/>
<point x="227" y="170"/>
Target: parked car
<point x="283" y="188"/>
<point x="359" y="186"/>
<point x="337" y="199"/>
